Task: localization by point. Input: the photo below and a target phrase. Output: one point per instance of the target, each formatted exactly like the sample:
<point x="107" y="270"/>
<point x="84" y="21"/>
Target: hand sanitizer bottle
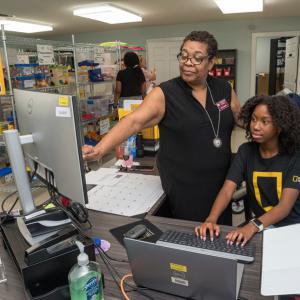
<point x="85" y="281"/>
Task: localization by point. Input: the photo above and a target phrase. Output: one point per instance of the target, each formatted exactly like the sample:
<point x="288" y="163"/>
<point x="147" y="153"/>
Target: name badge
<point x="222" y="105"/>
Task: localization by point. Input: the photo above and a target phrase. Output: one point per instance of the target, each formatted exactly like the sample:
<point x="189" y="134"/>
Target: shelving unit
<point x="225" y="66"/>
<point x="277" y="64"/>
<point x="63" y="75"/>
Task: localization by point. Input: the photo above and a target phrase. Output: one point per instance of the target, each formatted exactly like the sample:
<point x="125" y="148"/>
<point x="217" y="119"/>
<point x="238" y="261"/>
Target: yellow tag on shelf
<point x="63" y="101"/>
<point x="2" y="84"/>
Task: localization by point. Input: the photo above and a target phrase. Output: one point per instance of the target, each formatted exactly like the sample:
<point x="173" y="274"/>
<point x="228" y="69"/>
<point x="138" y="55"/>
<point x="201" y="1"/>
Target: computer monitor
<point x="53" y="121"/>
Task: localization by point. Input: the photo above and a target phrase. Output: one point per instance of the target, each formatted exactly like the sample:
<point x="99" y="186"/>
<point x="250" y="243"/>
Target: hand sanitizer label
<point x="93" y="289"/>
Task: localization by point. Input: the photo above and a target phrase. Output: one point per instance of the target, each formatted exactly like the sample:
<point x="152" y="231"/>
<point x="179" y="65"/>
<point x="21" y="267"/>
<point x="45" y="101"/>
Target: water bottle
<point x="85" y="281"/>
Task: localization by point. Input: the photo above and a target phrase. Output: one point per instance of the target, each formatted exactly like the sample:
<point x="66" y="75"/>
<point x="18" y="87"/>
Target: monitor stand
<point x="38" y="222"/>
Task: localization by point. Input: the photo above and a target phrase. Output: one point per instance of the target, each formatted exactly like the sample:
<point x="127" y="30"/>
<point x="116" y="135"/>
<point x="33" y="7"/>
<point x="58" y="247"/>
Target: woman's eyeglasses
<point x="195" y="60"/>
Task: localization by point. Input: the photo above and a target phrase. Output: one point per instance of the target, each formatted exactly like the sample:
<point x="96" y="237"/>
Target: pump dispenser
<point x="82" y="258"/>
<point x="85" y="281"/>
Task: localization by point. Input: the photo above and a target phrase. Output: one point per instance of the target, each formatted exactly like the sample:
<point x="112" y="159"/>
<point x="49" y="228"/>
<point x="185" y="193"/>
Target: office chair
<point x="240" y="204"/>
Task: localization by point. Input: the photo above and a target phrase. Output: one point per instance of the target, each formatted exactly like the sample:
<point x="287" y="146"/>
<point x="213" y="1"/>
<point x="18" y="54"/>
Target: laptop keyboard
<point x="217" y="247"/>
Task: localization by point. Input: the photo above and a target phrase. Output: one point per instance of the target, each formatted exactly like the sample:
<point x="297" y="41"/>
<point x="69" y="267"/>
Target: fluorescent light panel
<point x="108" y="14"/>
<point x="239" y="6"/>
<point x="18" y="25"/>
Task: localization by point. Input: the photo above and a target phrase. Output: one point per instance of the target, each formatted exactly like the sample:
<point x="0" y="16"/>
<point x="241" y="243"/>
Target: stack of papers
<point x="124" y="194"/>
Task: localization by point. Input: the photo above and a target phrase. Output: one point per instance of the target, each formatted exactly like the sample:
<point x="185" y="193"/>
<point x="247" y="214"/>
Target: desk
<point x="250" y="288"/>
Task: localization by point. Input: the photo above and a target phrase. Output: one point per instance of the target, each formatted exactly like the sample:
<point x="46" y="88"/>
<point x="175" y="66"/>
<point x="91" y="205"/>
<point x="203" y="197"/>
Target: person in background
<point x="270" y="165"/>
<point x="195" y="114"/>
<point x="150" y="75"/>
<point x="130" y="82"/>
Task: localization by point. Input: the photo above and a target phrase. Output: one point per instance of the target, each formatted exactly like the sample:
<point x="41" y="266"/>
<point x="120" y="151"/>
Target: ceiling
<point x="154" y="13"/>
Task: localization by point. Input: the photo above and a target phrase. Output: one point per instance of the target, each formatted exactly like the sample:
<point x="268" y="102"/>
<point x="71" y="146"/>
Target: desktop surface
<point x="102" y="223"/>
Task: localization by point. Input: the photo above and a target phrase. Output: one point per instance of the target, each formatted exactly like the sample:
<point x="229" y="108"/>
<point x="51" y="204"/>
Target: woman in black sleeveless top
<point x="194" y="170"/>
<point x="195" y="114"/>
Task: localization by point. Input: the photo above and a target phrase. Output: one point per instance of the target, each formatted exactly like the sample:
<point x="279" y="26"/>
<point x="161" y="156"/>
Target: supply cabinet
<point x="225" y="66"/>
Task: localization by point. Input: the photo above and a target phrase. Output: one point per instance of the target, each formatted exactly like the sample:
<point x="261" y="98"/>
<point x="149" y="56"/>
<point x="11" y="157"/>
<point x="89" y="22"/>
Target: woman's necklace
<point x="216" y="141"/>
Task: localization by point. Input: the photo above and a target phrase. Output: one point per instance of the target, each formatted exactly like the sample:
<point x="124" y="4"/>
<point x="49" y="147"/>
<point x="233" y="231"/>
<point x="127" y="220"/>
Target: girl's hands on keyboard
<point x="241" y="235"/>
<point x="208" y="226"/>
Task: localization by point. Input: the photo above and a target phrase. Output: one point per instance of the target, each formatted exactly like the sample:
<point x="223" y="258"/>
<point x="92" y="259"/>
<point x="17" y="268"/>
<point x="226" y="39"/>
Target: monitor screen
<point x="54" y="123"/>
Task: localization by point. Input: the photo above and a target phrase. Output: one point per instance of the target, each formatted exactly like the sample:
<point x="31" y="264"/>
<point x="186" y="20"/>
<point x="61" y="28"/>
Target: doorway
<point x="162" y="55"/>
<point x="261" y="64"/>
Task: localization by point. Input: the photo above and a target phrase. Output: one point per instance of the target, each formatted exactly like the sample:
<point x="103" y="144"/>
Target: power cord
<point x="7" y="215"/>
<point x="116" y="276"/>
<point x="5" y="199"/>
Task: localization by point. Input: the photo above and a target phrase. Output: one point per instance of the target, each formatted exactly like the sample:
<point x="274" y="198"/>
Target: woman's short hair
<point x="203" y="37"/>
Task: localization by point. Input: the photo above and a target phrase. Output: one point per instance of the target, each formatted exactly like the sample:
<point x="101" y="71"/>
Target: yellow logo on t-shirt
<point x="277" y="175"/>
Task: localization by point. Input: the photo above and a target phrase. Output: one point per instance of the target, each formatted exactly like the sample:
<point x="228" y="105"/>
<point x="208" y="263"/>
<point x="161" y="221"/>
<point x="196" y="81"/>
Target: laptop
<point x="182" y="273"/>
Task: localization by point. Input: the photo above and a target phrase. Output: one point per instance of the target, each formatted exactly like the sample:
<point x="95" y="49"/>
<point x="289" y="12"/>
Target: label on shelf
<point x="104" y="126"/>
<point x="22" y="58"/>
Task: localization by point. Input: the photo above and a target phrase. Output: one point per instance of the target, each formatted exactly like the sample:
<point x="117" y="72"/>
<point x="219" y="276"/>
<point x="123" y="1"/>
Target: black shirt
<point x="192" y="169"/>
<point x="131" y="81"/>
<point x="265" y="179"/>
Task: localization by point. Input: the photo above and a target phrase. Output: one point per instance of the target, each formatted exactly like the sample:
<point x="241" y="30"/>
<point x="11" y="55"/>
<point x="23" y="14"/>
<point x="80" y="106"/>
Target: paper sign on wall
<point x="22" y="58"/>
<point x="45" y="54"/>
<point x="2" y="83"/>
<point x="98" y="55"/>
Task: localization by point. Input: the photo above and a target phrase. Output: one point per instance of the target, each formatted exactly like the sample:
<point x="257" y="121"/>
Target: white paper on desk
<point x="134" y="194"/>
<point x="104" y="176"/>
<point x="281" y="261"/>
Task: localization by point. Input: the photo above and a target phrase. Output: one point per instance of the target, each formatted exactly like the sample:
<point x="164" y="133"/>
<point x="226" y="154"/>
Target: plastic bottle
<point x="132" y="145"/>
<point x="85" y="281"/>
<point x="127" y="155"/>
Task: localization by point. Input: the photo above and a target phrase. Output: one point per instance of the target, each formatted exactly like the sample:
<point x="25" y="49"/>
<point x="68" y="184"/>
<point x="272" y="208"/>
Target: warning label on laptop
<point x="178" y="274"/>
<point x="177" y="267"/>
<point x="179" y="281"/>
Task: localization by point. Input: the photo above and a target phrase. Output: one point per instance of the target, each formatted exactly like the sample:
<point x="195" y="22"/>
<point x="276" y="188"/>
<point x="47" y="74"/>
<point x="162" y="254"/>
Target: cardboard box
<point x="148" y="133"/>
<point x="262" y="84"/>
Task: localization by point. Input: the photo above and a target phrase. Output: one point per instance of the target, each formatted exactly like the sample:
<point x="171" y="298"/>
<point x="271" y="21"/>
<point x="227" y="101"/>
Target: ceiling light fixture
<point x="239" y="6"/>
<point x="108" y="14"/>
<point x="19" y="25"/>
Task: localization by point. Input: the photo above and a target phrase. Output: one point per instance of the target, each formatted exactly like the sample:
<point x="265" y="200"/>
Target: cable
<point x="122" y="285"/>
<point x="114" y="259"/>
<point x="8" y="196"/>
<point x="5" y="199"/>
<point x="112" y="269"/>
<point x="9" y="211"/>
